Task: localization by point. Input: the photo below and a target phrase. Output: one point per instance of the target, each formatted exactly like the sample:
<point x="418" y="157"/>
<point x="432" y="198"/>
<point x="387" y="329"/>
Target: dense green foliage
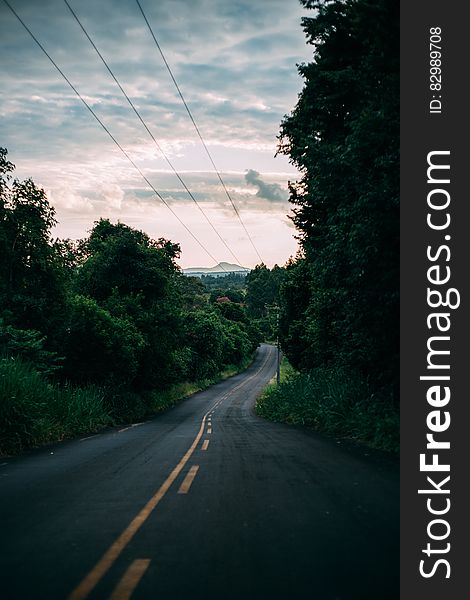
<point x="340" y="300"/>
<point x="263" y="298"/>
<point x="339" y="304"/>
<point x="32" y="286"/>
<point x="335" y="401"/>
<point x="232" y="281"/>
<point x="112" y="311"/>
<point x="34" y="410"/>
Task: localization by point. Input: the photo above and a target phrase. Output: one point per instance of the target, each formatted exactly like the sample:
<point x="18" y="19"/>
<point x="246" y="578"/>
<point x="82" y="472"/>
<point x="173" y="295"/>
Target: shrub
<point x="34" y="411"/>
<point x="336" y="401"/>
<point x="100" y="348"/>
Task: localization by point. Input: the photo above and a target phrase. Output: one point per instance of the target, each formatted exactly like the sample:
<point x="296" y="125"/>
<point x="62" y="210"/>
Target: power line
<point x="149" y="132"/>
<point x="197" y="129"/>
<point x="110" y="134"/>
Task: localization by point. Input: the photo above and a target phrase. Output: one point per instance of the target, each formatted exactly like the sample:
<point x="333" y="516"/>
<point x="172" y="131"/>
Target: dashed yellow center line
<point x="90" y="581"/>
<point x="130" y="579"/>
<point x="205" y="443"/>
<point x="188" y="480"/>
<point x="109" y="557"/>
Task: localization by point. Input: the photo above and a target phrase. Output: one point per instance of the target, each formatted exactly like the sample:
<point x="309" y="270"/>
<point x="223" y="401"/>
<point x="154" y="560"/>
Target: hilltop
<point x="221" y="269"/>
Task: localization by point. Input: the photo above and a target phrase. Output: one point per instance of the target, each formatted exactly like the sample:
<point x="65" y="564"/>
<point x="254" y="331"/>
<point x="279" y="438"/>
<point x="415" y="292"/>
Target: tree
<point x="32" y="284"/>
<point x="133" y="278"/>
<point x="120" y="258"/>
<point x="205" y="336"/>
<point x="343" y="136"/>
<point x="101" y="348"/>
<point x="112" y="309"/>
<point x="263" y="288"/>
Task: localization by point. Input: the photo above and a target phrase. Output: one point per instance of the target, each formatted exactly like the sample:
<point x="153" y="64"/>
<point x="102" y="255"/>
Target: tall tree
<point x="343" y="136"/>
<point x="263" y="286"/>
<point x="126" y="287"/>
<point x="32" y="288"/>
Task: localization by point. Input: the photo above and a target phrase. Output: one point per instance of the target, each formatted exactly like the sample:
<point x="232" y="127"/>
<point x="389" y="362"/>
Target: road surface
<point x="205" y="501"/>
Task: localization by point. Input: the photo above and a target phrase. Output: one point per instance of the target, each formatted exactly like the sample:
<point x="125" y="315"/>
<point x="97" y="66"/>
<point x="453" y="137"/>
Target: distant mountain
<point x="223" y="268"/>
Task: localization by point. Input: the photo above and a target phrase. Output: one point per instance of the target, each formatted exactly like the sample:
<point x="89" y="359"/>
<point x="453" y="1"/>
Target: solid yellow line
<point x="187" y="481"/>
<point x="130" y="579"/>
<point x="109" y="557"/>
<point x="205" y="443"/>
<point x="85" y="587"/>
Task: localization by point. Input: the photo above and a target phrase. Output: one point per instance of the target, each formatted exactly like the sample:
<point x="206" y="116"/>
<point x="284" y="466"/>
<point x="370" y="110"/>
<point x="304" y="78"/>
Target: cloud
<point x="235" y="63"/>
<point x="227" y="53"/>
<point x="65" y="201"/>
<point x="113" y="196"/>
<point x="269" y="191"/>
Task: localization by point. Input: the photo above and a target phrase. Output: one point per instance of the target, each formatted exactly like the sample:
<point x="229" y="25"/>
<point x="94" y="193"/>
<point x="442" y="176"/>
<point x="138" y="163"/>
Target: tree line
<point x="111" y="310"/>
<point x="339" y="299"/>
<point x="114" y="310"/>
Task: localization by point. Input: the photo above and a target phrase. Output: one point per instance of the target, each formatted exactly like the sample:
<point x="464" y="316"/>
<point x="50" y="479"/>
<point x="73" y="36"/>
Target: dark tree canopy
<point x="263" y="287"/>
<point x="343" y="136"/>
<point x="112" y="309"/>
<point x="32" y="294"/>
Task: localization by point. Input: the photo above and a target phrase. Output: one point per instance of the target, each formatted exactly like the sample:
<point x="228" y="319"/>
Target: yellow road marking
<point x="187" y="481"/>
<point x="87" y="585"/>
<point x="205" y="443"/>
<point x="130" y="579"/>
<point x="110" y="556"/>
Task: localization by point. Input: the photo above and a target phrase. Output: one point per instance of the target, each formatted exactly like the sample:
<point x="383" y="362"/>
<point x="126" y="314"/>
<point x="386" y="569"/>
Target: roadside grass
<point x="335" y="401"/>
<point x="287" y="371"/>
<point x="34" y="411"/>
<point x="160" y="400"/>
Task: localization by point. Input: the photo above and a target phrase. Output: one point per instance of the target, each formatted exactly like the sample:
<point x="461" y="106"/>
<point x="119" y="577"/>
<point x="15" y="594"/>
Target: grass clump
<point x="160" y="400"/>
<point x="334" y="401"/>
<point x="34" y="411"/>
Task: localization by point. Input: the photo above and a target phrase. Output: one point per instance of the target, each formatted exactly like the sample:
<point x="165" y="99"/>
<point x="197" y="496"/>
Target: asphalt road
<point x="205" y="501"/>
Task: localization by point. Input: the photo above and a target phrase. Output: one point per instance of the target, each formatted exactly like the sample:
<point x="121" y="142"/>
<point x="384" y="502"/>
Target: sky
<point x="235" y="62"/>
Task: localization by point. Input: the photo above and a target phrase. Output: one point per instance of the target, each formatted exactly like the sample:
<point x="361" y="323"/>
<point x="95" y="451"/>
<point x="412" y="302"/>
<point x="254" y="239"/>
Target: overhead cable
<point x="198" y="131"/>
<point x="131" y="104"/>
<point x="109" y="133"/>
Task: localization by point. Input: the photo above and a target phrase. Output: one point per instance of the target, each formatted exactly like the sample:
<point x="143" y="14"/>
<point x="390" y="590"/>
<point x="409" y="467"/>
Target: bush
<point x="205" y="337"/>
<point x="338" y="402"/>
<point x="237" y="344"/>
<point x="29" y="345"/>
<point x="34" y="411"/>
<point x="100" y="348"/>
